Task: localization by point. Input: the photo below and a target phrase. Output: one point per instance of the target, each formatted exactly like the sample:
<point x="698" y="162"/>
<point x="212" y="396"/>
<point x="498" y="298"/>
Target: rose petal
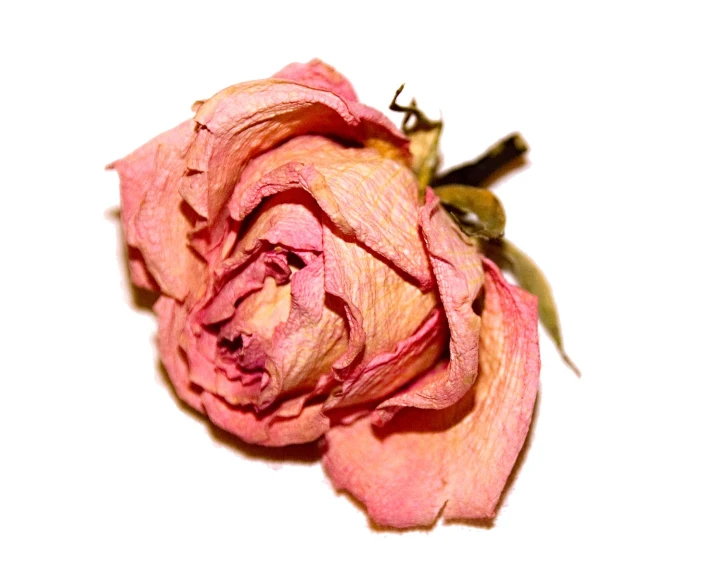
<point x="155" y="218"/>
<point x="289" y="220"/>
<point x="235" y="282"/>
<point x="303" y="350"/>
<point x="262" y="311"/>
<point x="245" y="120"/>
<point x="317" y="74"/>
<point x="201" y="340"/>
<point x="458" y="271"/>
<point x="171" y="319"/>
<point x="388" y="371"/>
<point x="459" y="275"/>
<point x="384" y="216"/>
<point x="139" y="274"/>
<point x="372" y="293"/>
<point x="274" y="428"/>
<point x="429" y="388"/>
<point x="458" y="459"/>
<point x="429" y="391"/>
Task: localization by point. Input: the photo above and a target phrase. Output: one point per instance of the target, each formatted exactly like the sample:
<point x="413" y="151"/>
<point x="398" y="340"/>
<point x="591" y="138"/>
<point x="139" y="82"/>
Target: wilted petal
<point x="262" y="311"/>
<point x="303" y="349"/>
<point x="155" y="218"/>
<point x="373" y="294"/>
<point x="317" y="74"/>
<point x="288" y="220"/>
<point x="273" y="428"/>
<point x="427" y="391"/>
<point x="171" y="319"/>
<point x="385" y="215"/>
<point x="245" y="120"/>
<point x="139" y="274"/>
<point x="236" y="282"/>
<point x="389" y="370"/>
<point x="458" y="271"/>
<point x="201" y="339"/>
<point x="458" y="459"/>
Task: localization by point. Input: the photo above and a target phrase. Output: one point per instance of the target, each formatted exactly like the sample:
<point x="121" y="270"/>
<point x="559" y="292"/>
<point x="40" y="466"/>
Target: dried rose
<point x="307" y="291"/>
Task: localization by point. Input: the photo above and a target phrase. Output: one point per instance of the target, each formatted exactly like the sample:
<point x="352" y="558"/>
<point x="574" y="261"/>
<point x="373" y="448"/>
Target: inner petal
<point x="259" y="313"/>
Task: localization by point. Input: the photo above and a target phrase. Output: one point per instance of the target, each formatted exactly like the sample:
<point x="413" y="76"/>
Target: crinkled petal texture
<point x="156" y="221"/>
<point x="318" y="74"/>
<point x="305" y="291"/>
<point x="282" y="228"/>
<point x="456" y="460"/>
<point x="174" y="188"/>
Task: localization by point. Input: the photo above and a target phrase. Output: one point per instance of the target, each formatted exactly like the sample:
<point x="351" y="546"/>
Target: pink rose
<point x="307" y="292"/>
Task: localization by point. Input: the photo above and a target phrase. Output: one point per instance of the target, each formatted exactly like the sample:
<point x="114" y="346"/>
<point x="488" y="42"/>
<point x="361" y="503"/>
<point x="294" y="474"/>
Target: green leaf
<point x="508" y="257"/>
<point x="477" y="211"/>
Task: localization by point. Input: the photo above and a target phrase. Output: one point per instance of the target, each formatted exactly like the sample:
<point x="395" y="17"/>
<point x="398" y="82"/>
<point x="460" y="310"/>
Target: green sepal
<point x="477" y="211"/>
<point x="526" y="272"/>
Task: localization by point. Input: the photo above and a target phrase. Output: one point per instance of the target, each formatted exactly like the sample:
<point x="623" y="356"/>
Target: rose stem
<point x="505" y="154"/>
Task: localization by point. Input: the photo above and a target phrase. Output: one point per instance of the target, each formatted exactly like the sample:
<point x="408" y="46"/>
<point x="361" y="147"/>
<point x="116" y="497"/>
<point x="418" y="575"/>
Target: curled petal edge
<point x="454" y="462"/>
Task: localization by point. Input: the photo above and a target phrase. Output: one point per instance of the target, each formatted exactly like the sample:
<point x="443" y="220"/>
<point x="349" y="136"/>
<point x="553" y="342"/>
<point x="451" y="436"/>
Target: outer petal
<point x="171" y="319"/>
<point x="372" y="293"/>
<point x="458" y="270"/>
<point x="317" y="74"/>
<point x="274" y="428"/>
<point x="155" y="218"/>
<point x="392" y="369"/>
<point x="290" y="422"/>
<point x="245" y="120"/>
<point x="431" y="388"/>
<point x="457" y="459"/>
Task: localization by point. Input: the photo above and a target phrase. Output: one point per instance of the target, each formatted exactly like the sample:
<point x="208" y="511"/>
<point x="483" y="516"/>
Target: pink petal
<point x="431" y="390"/>
<point x="373" y="293"/>
<point x="236" y="282"/>
<point x="275" y="428"/>
<point x="245" y="120"/>
<point x="457" y="459"/>
<point x="201" y="343"/>
<point x="458" y="271"/>
<point x="303" y="350"/>
<point x="317" y="74"/>
<point x="171" y="319"/>
<point x="139" y="274"/>
<point x="155" y="218"/>
<point x="293" y="421"/>
<point x="297" y="345"/>
<point x="389" y="370"/>
<point x="262" y="311"/>
<point x="288" y="220"/>
<point x="384" y="216"/>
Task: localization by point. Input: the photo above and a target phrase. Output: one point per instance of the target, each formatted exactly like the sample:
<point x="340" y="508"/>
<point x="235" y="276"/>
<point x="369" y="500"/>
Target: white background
<point x="102" y="472"/>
